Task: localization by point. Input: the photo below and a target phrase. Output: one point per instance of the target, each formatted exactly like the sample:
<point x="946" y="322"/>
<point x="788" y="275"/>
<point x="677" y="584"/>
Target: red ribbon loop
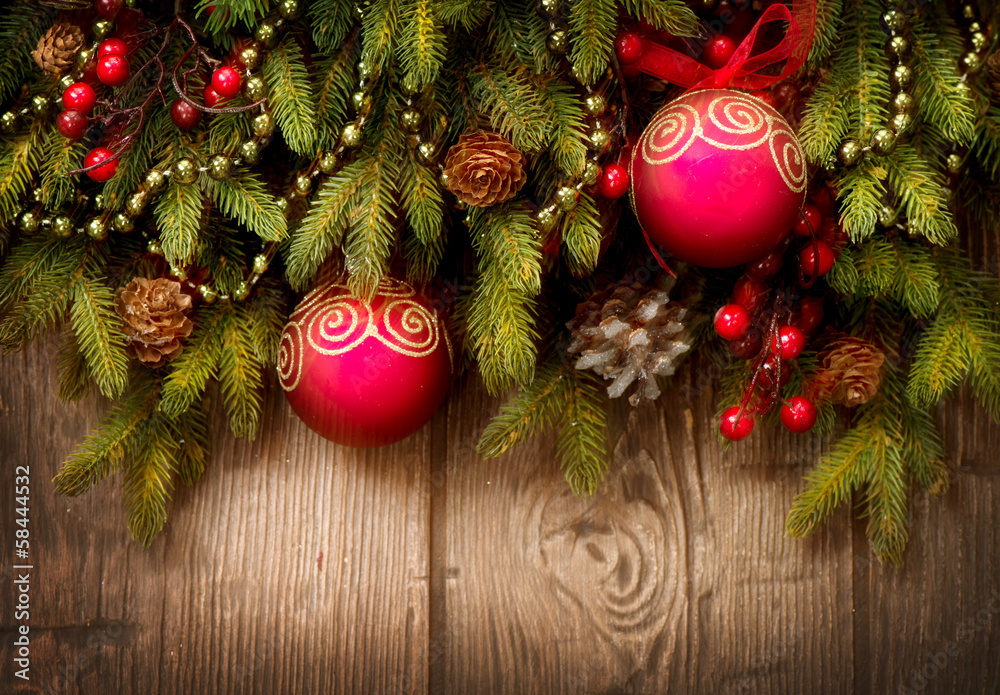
<point x="743" y="71"/>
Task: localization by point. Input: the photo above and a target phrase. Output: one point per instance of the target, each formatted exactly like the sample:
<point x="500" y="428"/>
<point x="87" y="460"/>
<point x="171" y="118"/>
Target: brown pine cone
<point x="850" y="373"/>
<point x="992" y="76"/>
<point x="57" y="49"/>
<point x="155" y="316"/>
<point x="484" y="169"/>
<point x="629" y="333"/>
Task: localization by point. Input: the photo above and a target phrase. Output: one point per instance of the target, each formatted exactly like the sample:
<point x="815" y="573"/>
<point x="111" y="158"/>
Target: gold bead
<point x="262" y="125"/>
<point x="62" y="226"/>
<point x="591" y="171"/>
<point x="547" y="219"/>
<point x="241" y="292"/>
<point x="207" y="293"/>
<point x="155" y="181"/>
<point x="328" y="162"/>
<point x="548" y="8"/>
<point x="954" y="163"/>
<point x="179" y="273"/>
<point x="575" y="74"/>
<point x="84" y="57"/>
<point x="887" y="216"/>
<point x="594" y="104"/>
<point x="303" y="184"/>
<point x="900" y="123"/>
<point x="250" y="152"/>
<point x="903" y="103"/>
<point x="136" y="203"/>
<point x="9" y="122"/>
<point x="963" y="91"/>
<point x="29" y="222"/>
<point x="978" y="41"/>
<point x="96" y="229"/>
<point x="351" y="135"/>
<point x="367" y="71"/>
<point x="974" y="27"/>
<point x="102" y="29"/>
<point x="410" y="120"/>
<point x="255" y="89"/>
<point x="410" y="87"/>
<point x="557" y="42"/>
<point x="850" y="152"/>
<point x="123" y="223"/>
<point x="40" y="104"/>
<point x="427" y="152"/>
<point x="288" y="9"/>
<point x="894" y="20"/>
<point x="266" y="33"/>
<point x="260" y="264"/>
<point x="901" y="78"/>
<point x="250" y="57"/>
<point x="220" y="167"/>
<point x="98" y="200"/>
<point x="362" y="103"/>
<point x="883" y="141"/>
<point x="65" y="82"/>
<point x="185" y="171"/>
<point x="283" y="205"/>
<point x="968" y="12"/>
<point x="898" y="47"/>
<point x="599" y="138"/>
<point x="443" y="179"/>
<point x="566" y="198"/>
<point x="972" y="63"/>
<point x="154" y="247"/>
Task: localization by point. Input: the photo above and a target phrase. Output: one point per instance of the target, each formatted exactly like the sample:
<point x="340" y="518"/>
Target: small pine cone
<point x="629" y="333"/>
<point x="992" y="76"/>
<point x="850" y="373"/>
<point x="155" y="316"/>
<point x="484" y="169"/>
<point x="57" y="48"/>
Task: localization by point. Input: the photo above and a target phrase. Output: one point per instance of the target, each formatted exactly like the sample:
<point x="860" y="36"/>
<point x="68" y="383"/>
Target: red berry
<point x="815" y="218"/>
<point x="211" y="97"/>
<point x="808" y="315"/>
<point x="733" y="430"/>
<point x="748" y="346"/>
<point x="184" y="115"/>
<point x="614" y="181"/>
<point x="112" y="47"/>
<point x="96" y="156"/>
<point x="108" y="8"/>
<point x="72" y="124"/>
<point x="809" y="255"/>
<point x="79" y="96"/>
<point x="789" y="343"/>
<point x="749" y="294"/>
<point x="774" y="373"/>
<point x="629" y="47"/>
<point x="226" y="82"/>
<point x="766" y="97"/>
<point x="798" y="414"/>
<point x="766" y="267"/>
<point x="112" y="70"/>
<point x="718" y="51"/>
<point x="732" y="322"/>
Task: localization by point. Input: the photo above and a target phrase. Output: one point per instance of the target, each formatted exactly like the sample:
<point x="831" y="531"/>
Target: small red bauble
<point x="614" y="181"/>
<point x="72" y="124"/>
<point x="226" y="82"/>
<point x="766" y="267"/>
<point x="361" y="373"/>
<point x="211" y="97"/>
<point x="749" y="294"/>
<point x="808" y="259"/>
<point x="798" y="414"/>
<point x="731" y="322"/>
<point x="112" y="70"/>
<point x="748" y="346"/>
<point x="628" y="47"/>
<point x="815" y="219"/>
<point x="808" y="314"/>
<point x="108" y="9"/>
<point x="774" y="373"/>
<point x="112" y="47"/>
<point x="718" y="51"/>
<point x="97" y="155"/>
<point x="184" y="115"/>
<point x="79" y="96"/>
<point x="789" y="343"/>
<point x="717" y="178"/>
<point x="733" y="430"/>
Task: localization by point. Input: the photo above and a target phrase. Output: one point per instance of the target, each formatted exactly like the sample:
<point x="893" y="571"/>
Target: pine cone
<point x="155" y="316"/>
<point x="629" y="333"/>
<point x="992" y="76"/>
<point x="850" y="374"/>
<point x="484" y="169"/>
<point x="57" y="48"/>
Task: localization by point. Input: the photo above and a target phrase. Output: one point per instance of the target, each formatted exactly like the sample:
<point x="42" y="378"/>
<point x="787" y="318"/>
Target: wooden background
<point x="297" y="566"/>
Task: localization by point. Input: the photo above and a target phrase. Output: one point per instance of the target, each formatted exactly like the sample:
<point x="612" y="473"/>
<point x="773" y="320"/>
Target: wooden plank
<point x="293" y="566"/>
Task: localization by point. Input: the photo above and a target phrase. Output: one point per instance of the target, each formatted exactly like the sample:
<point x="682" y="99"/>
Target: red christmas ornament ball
<point x="72" y="124"/>
<point x="628" y="47"/>
<point x="731" y="322"/>
<point x="211" y="97"/>
<point x="808" y="259"/>
<point x="226" y="82"/>
<point x="732" y="429"/>
<point x="718" y="51"/>
<point x="810" y="221"/>
<point x="112" y="70"/>
<point x="79" y="96"/>
<point x="184" y="115"/>
<point x="96" y="156"/>
<point x="360" y="373"/>
<point x="789" y="343"/>
<point x="614" y="181"/>
<point x="112" y="46"/>
<point x="798" y="414"/>
<point x="718" y="178"/>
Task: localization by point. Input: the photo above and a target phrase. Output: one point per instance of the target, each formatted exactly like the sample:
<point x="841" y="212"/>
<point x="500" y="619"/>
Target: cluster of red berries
<point x="772" y="333"/>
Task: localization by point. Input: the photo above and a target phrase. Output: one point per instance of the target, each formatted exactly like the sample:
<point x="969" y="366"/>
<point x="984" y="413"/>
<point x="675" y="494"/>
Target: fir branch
<point x="337" y="80"/>
<point x="672" y="16"/>
<point x="875" y="260"/>
<point x="915" y="283"/>
<point x="265" y="316"/>
<point x="191" y="434"/>
<point x="826" y="32"/>
<point x="21" y="27"/>
<point x="582" y="236"/>
<point x="580" y="442"/>
<point x="18" y="160"/>
<point x="223" y="251"/>
<point x="937" y="46"/>
<point x="379" y="32"/>
<point x="35" y="262"/>
<point x="98" y="331"/>
<point x="240" y="373"/>
<point x="827" y="119"/>
<point x="179" y="211"/>
<point x="843" y="277"/>
<point x="922" y="195"/>
<point x="198" y="362"/>
<point x="592" y="26"/>
<point x="291" y="96"/>
<point x="469" y="13"/>
<point x="330" y="21"/>
<point x="986" y="145"/>
<point x="422" y="200"/>
<point x="75" y="379"/>
<point x="135" y="161"/>
<point x="566" y="141"/>
<point x="226" y="13"/>
<point x="518" y="33"/>
<point x="61" y="155"/>
<point x="41" y="309"/>
<point x="861" y="191"/>
<point x="423" y="43"/>
<point x="243" y="196"/>
<point x="146" y="484"/>
<point x="514" y="105"/>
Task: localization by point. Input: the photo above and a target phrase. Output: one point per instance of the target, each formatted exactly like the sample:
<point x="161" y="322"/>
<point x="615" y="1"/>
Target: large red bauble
<point x="361" y="373"/>
<point x="717" y="178"/>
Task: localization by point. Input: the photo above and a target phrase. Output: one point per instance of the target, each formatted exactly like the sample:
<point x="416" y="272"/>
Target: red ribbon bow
<point x="743" y="71"/>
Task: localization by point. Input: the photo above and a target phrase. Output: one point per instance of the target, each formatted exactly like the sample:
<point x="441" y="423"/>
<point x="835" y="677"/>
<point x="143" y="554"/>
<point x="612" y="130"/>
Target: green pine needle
<point x="291" y="96"/>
